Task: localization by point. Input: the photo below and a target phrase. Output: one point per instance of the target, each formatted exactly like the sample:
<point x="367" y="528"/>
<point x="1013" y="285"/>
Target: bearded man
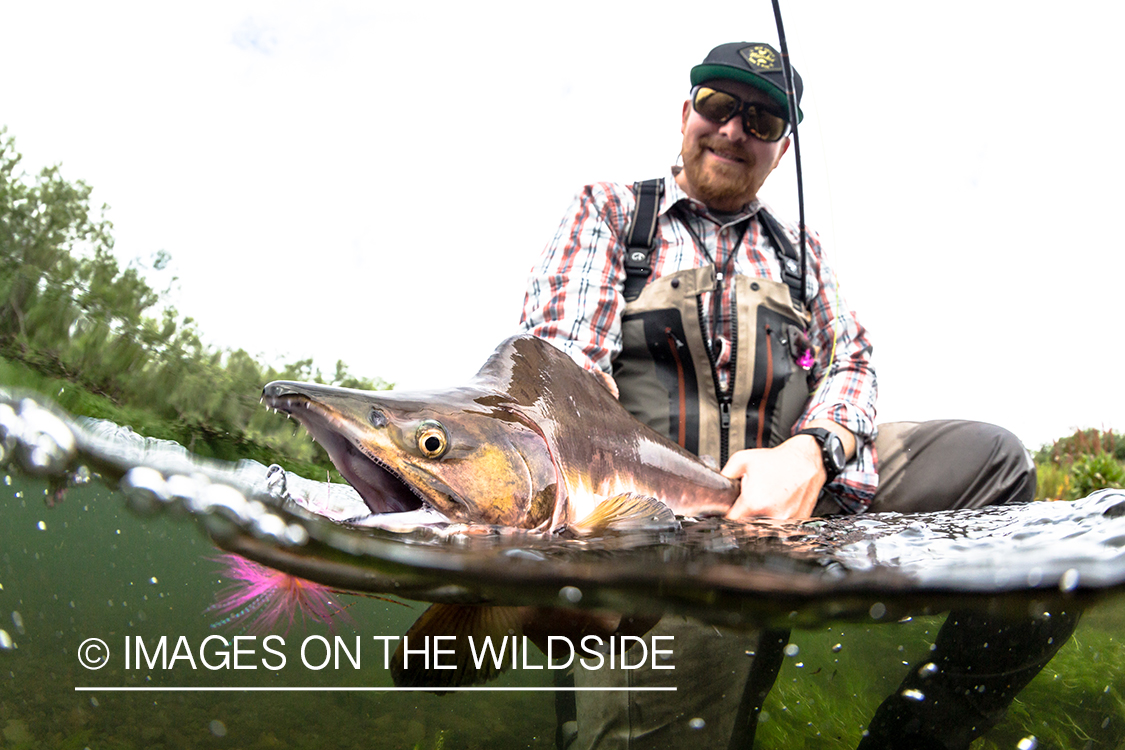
<point x="691" y="301"/>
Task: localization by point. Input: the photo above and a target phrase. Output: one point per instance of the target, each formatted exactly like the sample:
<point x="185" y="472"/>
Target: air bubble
<point x="913" y="695"/>
<point x="878" y="609"/>
<point x="1027" y="743"/>
<point x="218" y="728"/>
<point x="1069" y="580"/>
<point x="697" y="723"/>
<point x="571" y="594"/>
<point x="791" y="649"/>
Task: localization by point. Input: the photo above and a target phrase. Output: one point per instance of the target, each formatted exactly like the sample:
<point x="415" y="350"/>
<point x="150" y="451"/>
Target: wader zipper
<point x="724" y="395"/>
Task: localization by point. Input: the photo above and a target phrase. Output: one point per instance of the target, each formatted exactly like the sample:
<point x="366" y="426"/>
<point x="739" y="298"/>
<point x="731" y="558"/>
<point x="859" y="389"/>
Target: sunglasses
<point x="720" y="107"/>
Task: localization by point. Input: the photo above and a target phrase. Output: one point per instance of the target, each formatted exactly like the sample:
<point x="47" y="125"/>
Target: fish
<point x="533" y="442"/>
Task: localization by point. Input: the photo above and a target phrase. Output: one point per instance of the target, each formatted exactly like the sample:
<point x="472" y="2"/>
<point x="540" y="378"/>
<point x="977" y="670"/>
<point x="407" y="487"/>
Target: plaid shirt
<point x="575" y="299"/>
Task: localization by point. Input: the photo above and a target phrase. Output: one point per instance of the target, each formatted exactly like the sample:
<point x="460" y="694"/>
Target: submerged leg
<point x="720" y="678"/>
<point x="979" y="664"/>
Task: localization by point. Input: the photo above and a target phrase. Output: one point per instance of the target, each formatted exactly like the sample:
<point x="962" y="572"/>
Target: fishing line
<point x="791" y="97"/>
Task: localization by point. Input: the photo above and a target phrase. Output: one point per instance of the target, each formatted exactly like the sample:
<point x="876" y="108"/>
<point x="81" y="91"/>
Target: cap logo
<point x="760" y="56"/>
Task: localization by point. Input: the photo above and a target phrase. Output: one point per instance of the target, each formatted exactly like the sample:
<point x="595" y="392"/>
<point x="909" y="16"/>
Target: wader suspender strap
<point x="640" y="241"/>
<point x="641" y="238"/>
<point x="790" y="266"/>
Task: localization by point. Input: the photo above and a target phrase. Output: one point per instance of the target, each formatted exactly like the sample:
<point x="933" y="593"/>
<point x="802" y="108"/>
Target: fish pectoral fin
<point x="628" y="511"/>
<point x="481" y="648"/>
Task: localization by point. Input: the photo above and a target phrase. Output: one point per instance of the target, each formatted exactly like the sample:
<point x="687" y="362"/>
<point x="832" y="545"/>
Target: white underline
<point x="484" y="689"/>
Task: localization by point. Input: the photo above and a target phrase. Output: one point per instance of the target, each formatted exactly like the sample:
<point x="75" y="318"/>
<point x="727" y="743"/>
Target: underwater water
<point x="865" y="603"/>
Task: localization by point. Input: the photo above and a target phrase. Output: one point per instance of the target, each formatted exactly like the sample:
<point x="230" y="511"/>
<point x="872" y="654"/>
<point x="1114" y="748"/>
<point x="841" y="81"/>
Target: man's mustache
<point x="726" y="148"/>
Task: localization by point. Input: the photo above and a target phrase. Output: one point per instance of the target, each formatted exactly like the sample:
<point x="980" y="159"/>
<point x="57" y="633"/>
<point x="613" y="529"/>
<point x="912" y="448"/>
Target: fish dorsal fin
<point x="627" y="512"/>
<point x="471" y="627"/>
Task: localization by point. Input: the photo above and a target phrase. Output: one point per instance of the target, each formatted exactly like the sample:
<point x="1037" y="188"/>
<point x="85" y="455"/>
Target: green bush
<point x="1096" y="472"/>
<point x="1076" y="465"/>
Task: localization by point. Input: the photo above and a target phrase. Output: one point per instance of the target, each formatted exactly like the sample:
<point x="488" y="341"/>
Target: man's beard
<point x="725" y="187"/>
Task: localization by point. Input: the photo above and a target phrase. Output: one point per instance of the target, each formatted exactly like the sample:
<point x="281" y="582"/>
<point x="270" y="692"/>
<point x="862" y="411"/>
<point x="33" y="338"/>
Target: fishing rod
<point x="791" y="97"/>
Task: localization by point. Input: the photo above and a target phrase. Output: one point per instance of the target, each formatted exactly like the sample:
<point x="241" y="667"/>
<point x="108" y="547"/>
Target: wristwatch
<point x="831" y="449"/>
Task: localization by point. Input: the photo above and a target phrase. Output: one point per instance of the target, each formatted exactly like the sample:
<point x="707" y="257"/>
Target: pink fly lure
<point x="259" y="597"/>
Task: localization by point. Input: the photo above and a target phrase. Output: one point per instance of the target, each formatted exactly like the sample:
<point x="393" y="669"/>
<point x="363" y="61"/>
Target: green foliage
<point x="1096" y="472"/>
<point x="1076" y="465"/>
<point x="69" y="312"/>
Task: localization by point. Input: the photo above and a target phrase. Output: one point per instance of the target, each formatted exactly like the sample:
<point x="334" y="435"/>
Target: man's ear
<point x="781" y="153"/>
<point x="686" y="112"/>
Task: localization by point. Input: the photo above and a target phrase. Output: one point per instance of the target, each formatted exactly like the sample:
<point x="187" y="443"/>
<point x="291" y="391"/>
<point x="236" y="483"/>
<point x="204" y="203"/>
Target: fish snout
<point x="282" y="388"/>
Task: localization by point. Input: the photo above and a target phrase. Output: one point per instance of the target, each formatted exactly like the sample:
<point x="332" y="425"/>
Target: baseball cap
<point x="754" y="63"/>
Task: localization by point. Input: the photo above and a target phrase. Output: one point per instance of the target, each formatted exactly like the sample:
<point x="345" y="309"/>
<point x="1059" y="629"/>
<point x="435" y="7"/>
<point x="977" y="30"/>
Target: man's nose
<point x="732" y="129"/>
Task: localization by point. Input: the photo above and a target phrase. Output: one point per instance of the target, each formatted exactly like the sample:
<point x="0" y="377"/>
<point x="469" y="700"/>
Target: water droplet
<point x="1027" y="743"/>
<point x="42" y="525"/>
<point x="913" y="695"/>
<point x="218" y="728"/>
<point x="6" y="642"/>
<point x="571" y="594"/>
<point x="878" y="609"/>
<point x="929" y="669"/>
<point x="799" y="665"/>
<point x="697" y="723"/>
<point x="1069" y="580"/>
<point x="791" y="649"/>
<point x="153" y="580"/>
<point x="837" y="648"/>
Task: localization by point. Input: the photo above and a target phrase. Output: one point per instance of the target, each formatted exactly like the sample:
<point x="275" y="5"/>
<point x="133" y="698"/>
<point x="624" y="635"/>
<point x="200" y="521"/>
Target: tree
<point x="68" y="309"/>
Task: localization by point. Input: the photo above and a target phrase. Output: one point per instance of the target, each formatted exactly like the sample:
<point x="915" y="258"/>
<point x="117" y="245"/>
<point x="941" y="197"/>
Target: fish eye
<point x="377" y="417"/>
<point x="432" y="439"/>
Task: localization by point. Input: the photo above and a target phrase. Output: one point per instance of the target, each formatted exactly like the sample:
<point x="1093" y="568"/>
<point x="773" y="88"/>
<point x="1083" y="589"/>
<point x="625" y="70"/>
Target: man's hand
<point x="782" y="482"/>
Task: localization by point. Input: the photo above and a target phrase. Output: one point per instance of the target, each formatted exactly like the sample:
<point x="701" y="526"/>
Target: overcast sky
<point x="372" y="181"/>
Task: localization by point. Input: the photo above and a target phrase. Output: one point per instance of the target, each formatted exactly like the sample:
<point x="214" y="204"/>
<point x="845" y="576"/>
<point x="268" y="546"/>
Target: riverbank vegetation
<point x="1081" y="463"/>
<point x="94" y="336"/>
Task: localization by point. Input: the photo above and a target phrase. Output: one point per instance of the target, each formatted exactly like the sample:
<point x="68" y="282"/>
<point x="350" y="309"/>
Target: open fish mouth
<point x="382" y="489"/>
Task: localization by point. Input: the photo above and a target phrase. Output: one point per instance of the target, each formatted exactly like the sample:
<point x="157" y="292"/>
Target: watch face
<point x="836" y="447"/>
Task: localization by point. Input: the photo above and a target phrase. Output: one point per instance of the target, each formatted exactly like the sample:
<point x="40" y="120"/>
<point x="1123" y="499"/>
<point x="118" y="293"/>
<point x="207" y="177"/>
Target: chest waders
<point x="666" y="372"/>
